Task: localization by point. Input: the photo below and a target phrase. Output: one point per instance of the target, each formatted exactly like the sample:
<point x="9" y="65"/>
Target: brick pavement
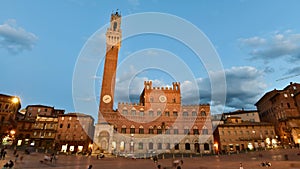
<point x="250" y="161"/>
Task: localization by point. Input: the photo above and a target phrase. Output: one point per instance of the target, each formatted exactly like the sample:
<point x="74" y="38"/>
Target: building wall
<point x="245" y="115"/>
<point x="277" y="107"/>
<point x="44" y="132"/>
<point x="242" y="136"/>
<point x="134" y="133"/>
<point x="9" y="108"/>
<point x="32" y="111"/>
<point x="24" y="133"/>
<point x="74" y="133"/>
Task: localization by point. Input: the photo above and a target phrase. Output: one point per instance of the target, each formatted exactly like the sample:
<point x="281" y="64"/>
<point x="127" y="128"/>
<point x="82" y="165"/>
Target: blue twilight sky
<point x="258" y="42"/>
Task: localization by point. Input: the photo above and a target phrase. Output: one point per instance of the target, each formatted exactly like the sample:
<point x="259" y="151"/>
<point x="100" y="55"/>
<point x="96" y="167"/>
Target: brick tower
<point x="113" y="43"/>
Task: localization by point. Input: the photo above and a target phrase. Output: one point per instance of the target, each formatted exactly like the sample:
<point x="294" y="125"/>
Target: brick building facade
<point x="281" y="108"/>
<point x="236" y="135"/>
<point x="9" y="107"/>
<point x="74" y="133"/>
<point x="158" y="123"/>
<point x="37" y="128"/>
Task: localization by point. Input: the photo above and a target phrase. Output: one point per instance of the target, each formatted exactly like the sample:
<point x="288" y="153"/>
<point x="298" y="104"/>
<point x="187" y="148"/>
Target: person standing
<point x="16" y="157"/>
<point x="241" y="166"/>
<point x="3" y="155"/>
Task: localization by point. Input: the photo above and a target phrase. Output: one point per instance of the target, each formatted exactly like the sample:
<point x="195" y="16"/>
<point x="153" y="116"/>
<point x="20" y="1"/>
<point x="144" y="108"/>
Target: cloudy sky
<point x="257" y="42"/>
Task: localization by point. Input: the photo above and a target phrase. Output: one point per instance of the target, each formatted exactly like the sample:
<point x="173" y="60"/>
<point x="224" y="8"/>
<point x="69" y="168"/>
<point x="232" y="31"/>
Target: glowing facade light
<point x="12" y="132"/>
<point x="15" y="100"/>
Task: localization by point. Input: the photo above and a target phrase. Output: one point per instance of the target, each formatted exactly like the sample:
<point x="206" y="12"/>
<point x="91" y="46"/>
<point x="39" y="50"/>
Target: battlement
<point x="115" y="15"/>
<point x="148" y="86"/>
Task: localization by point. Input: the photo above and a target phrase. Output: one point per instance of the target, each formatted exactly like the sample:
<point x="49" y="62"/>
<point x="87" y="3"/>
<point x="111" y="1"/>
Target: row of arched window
<point x="159" y="146"/>
<point x="151" y="113"/>
<point x="159" y="130"/>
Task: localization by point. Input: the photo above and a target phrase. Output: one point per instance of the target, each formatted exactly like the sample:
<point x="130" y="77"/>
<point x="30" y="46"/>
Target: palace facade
<point x="159" y="123"/>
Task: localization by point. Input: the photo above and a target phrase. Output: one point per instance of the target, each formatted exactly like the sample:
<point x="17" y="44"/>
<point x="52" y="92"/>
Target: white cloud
<point x="253" y="41"/>
<point x="245" y="85"/>
<point x="278" y="45"/>
<point x="16" y="39"/>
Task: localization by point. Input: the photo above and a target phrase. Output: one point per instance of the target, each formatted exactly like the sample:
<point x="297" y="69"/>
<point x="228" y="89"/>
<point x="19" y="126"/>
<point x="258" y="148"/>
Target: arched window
<point x="187" y="146"/>
<point x="168" y="146"/>
<point x="176" y="147"/>
<point x="159" y="130"/>
<point x="151" y="113"/>
<point x="185" y="114"/>
<point x="151" y="130"/>
<point x="159" y="146"/>
<point x="132" y="129"/>
<point x="203" y="113"/>
<point x="206" y="146"/>
<point x="123" y="129"/>
<point x="195" y="130"/>
<point x="124" y="112"/>
<point x="150" y="146"/>
<point x="158" y="112"/>
<point x="115" y="26"/>
<point x="141" y="145"/>
<point x="141" y="130"/>
<point x="122" y="146"/>
<point x="133" y="112"/>
<point x="204" y="130"/>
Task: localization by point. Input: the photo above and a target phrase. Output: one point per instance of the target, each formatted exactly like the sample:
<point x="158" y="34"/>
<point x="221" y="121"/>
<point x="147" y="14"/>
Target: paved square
<point x="250" y="160"/>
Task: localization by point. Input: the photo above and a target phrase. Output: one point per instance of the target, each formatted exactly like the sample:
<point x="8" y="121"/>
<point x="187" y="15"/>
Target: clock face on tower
<point x="106" y="99"/>
<point x="162" y="98"/>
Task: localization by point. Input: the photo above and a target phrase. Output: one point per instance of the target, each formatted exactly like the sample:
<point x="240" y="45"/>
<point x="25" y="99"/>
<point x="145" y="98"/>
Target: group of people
<point x="9" y="164"/>
<point x="49" y="158"/>
<point x="177" y="164"/>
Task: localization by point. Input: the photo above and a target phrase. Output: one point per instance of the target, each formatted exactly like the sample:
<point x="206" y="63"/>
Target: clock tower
<point x="113" y="44"/>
